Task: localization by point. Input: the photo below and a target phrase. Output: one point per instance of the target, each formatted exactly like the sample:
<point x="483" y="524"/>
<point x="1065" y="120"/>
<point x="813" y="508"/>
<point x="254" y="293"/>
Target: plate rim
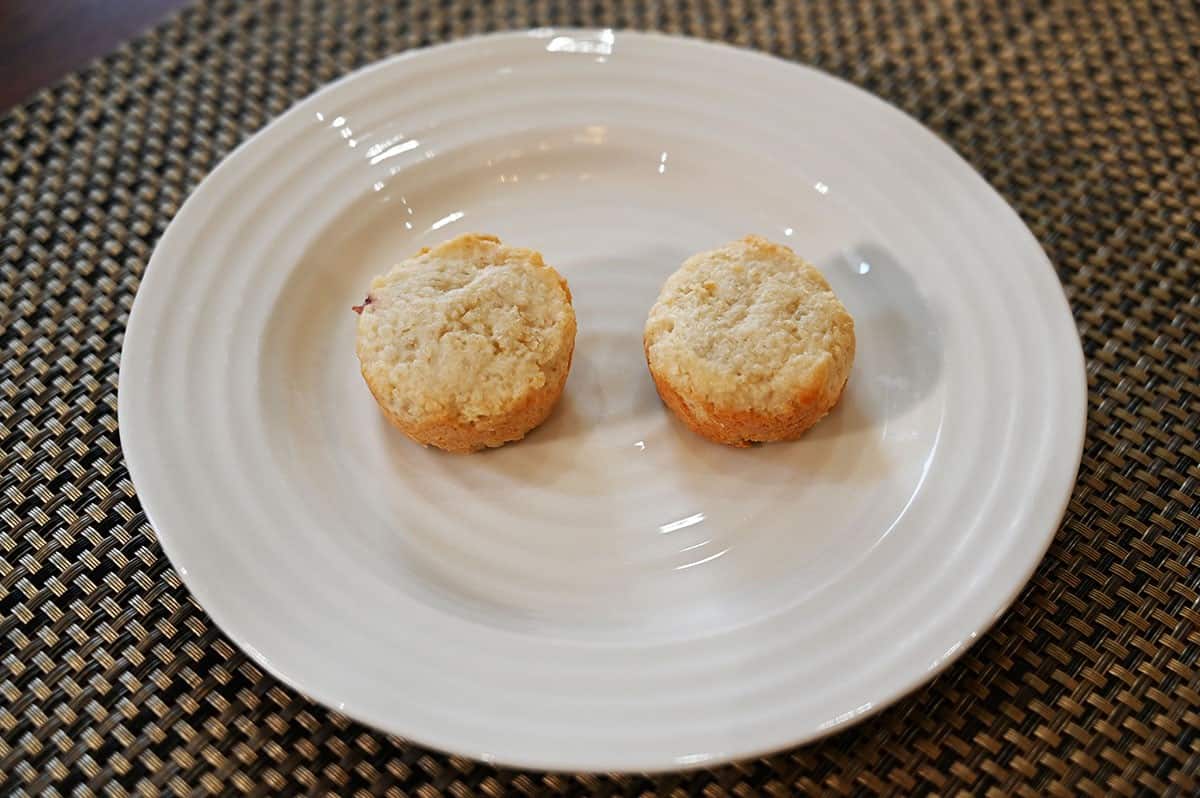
<point x="136" y="323"/>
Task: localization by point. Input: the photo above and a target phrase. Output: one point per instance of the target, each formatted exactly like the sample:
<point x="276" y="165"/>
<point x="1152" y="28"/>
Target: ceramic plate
<point x="612" y="593"/>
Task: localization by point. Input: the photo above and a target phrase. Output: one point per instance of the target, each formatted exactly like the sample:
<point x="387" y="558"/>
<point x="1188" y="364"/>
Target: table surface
<point x="1084" y="115"/>
<point x="41" y="40"/>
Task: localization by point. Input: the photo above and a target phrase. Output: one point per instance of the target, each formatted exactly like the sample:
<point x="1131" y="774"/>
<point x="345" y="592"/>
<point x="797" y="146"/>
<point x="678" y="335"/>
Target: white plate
<point x="613" y="593"/>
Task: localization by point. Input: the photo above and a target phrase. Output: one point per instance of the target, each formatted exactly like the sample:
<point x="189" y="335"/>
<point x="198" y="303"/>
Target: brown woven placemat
<point x="1084" y="115"/>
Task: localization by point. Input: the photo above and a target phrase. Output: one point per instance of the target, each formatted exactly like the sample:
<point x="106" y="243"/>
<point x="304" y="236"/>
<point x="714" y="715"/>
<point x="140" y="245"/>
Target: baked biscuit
<point x="467" y="345"/>
<point x="748" y="343"/>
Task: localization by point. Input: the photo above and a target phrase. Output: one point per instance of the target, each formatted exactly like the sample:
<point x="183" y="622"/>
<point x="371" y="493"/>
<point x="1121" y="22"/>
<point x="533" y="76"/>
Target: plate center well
<point x="611" y="518"/>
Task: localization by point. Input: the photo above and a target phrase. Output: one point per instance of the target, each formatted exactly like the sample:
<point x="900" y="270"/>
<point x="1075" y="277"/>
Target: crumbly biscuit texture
<point x="467" y="345"/>
<point x="748" y="343"/>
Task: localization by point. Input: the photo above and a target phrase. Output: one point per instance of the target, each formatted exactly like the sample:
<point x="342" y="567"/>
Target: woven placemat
<point x="1083" y="114"/>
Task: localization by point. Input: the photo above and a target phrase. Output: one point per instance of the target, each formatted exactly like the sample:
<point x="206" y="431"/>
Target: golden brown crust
<point x="455" y="435"/>
<point x="740" y="427"/>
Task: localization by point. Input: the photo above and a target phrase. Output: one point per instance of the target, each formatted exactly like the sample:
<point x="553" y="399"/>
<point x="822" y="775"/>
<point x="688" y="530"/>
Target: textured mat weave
<point x="1083" y="114"/>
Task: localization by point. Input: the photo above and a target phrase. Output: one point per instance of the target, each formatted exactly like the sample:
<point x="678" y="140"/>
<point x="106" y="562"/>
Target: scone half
<point x="748" y="343"/>
<point x="467" y="345"/>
